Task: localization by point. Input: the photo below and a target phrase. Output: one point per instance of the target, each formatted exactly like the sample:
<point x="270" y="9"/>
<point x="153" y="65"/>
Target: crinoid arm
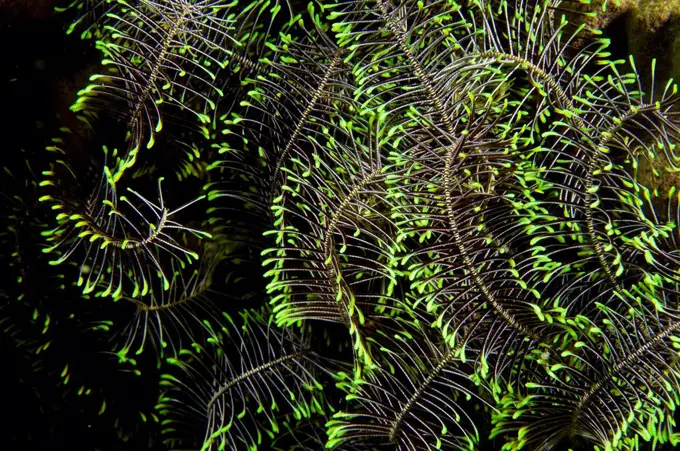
<point x="241" y="385"/>
<point x="123" y="242"/>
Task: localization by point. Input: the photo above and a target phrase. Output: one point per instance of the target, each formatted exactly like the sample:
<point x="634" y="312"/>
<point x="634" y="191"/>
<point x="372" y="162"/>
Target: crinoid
<point x="391" y="224"/>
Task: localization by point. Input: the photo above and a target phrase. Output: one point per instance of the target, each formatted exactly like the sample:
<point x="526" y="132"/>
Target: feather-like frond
<point x="237" y="387"/>
<point x="166" y="58"/>
<point x="167" y="318"/>
<point x="304" y="80"/>
<point x="419" y="398"/>
<point x="334" y="239"/>
<point x="619" y="380"/>
<point x="124" y="240"/>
